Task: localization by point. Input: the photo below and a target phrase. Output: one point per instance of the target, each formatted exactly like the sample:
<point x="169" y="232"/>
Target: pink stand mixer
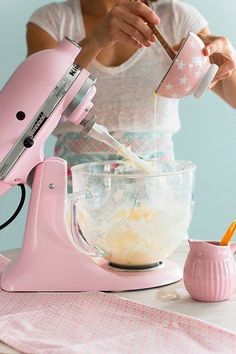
<point x="46" y="88"/>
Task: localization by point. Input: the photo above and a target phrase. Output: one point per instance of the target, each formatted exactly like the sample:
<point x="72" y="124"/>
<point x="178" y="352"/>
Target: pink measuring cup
<point x="210" y="271"/>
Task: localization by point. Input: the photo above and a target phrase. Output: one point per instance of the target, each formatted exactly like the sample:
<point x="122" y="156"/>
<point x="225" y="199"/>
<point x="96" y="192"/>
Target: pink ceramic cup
<point x="190" y="73"/>
<point x="210" y="271"/>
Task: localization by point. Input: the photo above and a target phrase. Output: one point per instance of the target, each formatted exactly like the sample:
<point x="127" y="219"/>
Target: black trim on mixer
<point x="135" y="267"/>
<point x="18" y="209"/>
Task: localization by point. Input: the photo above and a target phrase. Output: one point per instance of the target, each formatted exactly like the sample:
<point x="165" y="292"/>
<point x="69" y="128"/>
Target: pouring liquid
<point x="155" y="126"/>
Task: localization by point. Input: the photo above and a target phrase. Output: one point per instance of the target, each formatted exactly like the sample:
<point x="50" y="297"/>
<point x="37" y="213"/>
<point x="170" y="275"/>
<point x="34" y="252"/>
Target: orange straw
<point x="229" y="233"/>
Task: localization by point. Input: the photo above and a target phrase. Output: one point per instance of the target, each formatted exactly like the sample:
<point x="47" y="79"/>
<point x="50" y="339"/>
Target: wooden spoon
<point x="170" y="52"/>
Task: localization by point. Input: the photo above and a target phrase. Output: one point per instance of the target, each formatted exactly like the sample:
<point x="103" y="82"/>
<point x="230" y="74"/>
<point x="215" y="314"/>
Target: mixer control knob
<point x="28" y="142"/>
<point x="20" y="115"/>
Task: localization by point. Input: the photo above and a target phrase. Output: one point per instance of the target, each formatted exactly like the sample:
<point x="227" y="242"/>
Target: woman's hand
<point x="220" y="52"/>
<point x="126" y="22"/>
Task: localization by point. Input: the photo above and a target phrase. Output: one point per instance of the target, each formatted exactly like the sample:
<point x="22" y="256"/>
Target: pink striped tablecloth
<point x="98" y="323"/>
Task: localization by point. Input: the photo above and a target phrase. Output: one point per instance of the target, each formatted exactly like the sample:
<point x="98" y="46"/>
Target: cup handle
<point x="233" y="247"/>
<point x="205" y="81"/>
<point x="75" y="233"/>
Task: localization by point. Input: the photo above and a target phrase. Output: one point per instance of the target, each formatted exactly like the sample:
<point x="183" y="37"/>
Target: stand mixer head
<point x="44" y="89"/>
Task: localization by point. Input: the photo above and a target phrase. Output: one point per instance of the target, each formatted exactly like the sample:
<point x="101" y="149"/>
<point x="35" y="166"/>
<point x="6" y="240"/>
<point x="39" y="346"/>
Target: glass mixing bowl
<point x="132" y="219"/>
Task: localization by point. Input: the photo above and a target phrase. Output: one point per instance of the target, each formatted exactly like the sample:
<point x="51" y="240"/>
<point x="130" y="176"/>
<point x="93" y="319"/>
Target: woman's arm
<point x="126" y="22"/>
<point x="38" y="39"/>
<point x="221" y="52"/>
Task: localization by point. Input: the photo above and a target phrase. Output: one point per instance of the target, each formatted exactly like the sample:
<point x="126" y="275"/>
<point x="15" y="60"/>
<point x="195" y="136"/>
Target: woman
<point x="122" y="52"/>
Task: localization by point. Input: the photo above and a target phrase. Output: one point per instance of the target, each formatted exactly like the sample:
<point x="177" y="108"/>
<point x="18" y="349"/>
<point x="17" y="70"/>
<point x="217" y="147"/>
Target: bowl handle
<point x="75" y="233"/>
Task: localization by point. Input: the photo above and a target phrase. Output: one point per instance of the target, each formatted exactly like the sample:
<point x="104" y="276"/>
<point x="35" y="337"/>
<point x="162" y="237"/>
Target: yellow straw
<point x="229" y="233"/>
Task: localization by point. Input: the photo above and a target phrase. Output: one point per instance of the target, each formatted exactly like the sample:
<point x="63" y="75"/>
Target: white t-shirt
<point x="124" y="100"/>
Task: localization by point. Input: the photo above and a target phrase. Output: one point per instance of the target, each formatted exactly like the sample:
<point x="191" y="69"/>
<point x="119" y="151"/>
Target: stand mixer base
<point x="86" y="276"/>
<point x="49" y="262"/>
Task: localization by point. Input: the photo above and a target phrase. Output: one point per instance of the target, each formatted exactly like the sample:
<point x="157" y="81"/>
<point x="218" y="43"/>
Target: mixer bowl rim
<point x="189" y="167"/>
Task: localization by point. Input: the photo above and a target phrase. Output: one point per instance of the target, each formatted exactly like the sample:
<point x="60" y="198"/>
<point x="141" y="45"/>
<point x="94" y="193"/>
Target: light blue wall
<point x="13" y="18"/>
<point x="207" y="136"/>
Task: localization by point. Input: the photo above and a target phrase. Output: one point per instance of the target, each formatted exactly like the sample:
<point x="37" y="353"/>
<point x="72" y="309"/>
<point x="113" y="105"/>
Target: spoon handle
<point x="171" y="53"/>
<point x="229" y="233"/>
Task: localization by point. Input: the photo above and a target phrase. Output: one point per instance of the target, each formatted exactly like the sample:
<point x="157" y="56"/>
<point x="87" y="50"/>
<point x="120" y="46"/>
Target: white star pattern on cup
<point x="183" y="80"/>
<point x="188" y="89"/>
<point x="181" y="65"/>
<point x="184" y="75"/>
<point x="197" y="61"/>
<point x="169" y="87"/>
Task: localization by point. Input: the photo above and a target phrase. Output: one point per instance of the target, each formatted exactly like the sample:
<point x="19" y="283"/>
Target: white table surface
<point x="174" y="298"/>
